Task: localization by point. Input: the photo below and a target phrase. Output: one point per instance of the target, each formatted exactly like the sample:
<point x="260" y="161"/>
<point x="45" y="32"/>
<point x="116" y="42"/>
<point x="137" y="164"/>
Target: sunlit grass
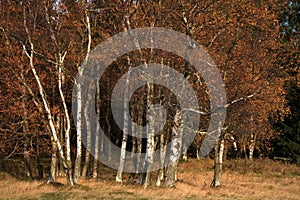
<point x="265" y="180"/>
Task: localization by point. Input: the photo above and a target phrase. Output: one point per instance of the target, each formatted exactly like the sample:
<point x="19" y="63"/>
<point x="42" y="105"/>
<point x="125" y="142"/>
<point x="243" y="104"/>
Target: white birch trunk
<point x="162" y="144"/>
<point x="150" y="139"/>
<point x="251" y="146"/>
<point x="185" y="155"/>
<point x="89" y="131"/>
<point x="134" y="141"/>
<point x="88" y="139"/>
<point x="25" y="128"/>
<point x="67" y="127"/>
<point x="252" y="141"/>
<point x="251" y="150"/>
<point x="163" y="151"/>
<point x="125" y="128"/>
<point x="77" y="168"/>
<point x="54" y="161"/>
<point x="175" y="152"/>
<point x="49" y="115"/>
<point x="123" y="149"/>
<point x="126" y="27"/>
<point x="219" y="150"/>
<point x="95" y="164"/>
<point x="139" y="140"/>
<point x="197" y="152"/>
<point x="30" y="55"/>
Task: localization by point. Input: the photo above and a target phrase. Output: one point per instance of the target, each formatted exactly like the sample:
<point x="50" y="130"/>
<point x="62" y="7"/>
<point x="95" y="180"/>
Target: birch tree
<point x="30" y="54"/>
<point x="126" y="27"/>
<point x="79" y="122"/>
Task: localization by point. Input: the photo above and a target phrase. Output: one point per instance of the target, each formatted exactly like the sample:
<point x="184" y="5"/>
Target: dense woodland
<point x="254" y="44"/>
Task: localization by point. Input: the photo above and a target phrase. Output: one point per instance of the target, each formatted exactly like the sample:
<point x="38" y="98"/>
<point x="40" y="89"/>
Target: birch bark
<point x="79" y="122"/>
<point x="175" y="151"/>
<point x="30" y="54"/>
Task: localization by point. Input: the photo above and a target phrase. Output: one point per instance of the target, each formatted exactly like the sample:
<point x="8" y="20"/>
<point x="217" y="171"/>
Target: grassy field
<point x="264" y="179"/>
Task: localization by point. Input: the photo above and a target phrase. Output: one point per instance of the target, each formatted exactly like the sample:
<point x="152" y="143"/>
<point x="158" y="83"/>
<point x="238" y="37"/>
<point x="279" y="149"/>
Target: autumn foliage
<point x="244" y="38"/>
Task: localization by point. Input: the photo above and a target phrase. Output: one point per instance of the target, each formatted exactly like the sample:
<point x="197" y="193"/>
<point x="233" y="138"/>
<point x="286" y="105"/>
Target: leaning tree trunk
<point x="65" y="121"/>
<point x="30" y="55"/>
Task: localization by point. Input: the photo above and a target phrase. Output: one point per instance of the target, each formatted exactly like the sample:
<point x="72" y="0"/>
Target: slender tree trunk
<point x="109" y="136"/>
<point x="134" y="140"/>
<point x="163" y="152"/>
<point x="149" y="157"/>
<point x="126" y="27"/>
<point x="41" y="90"/>
<point x="28" y="172"/>
<point x="219" y="150"/>
<point x="175" y="152"/>
<point x="45" y="102"/>
<point x="197" y="152"/>
<point x="251" y="150"/>
<point x="77" y="169"/>
<point x="89" y="131"/>
<point x="79" y="124"/>
<point x="123" y="153"/>
<point x="125" y="128"/>
<point x="95" y="168"/>
<point x="54" y="161"/>
<point x="139" y="139"/>
<point x="96" y="157"/>
<point x="225" y="153"/>
<point x="150" y="137"/>
<point x="88" y="146"/>
<point x="135" y="134"/>
<point x="246" y="157"/>
<point x="251" y="146"/>
<point x="87" y="158"/>
<point x="185" y="155"/>
<point x="66" y="122"/>
<point x="60" y="130"/>
<point x="125" y="137"/>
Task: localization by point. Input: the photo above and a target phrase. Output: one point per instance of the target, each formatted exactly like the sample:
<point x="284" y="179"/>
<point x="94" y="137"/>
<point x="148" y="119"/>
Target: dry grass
<point x="268" y="180"/>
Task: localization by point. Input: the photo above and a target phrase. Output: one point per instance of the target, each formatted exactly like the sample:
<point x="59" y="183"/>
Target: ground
<point x="264" y="179"/>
